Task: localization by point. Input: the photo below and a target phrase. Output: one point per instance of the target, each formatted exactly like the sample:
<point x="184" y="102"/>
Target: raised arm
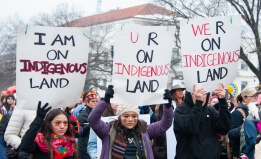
<point x="99" y="127"/>
<point x="27" y="143"/>
<point x="224" y="118"/>
<point x="157" y="128"/>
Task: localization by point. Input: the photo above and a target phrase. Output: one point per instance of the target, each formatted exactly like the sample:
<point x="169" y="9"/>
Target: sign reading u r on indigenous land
<point x="141" y="64"/>
<point x="51" y="65"/>
<point x="210" y="51"/>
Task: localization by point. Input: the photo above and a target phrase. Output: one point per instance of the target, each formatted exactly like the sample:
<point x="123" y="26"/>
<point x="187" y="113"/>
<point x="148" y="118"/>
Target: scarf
<point x="62" y="146"/>
<point x="119" y="145"/>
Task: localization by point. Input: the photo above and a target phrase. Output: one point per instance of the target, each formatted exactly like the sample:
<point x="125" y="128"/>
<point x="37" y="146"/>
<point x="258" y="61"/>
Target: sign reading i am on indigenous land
<point x="210" y="51"/>
<point x="141" y="64"/>
<point x="51" y="65"/>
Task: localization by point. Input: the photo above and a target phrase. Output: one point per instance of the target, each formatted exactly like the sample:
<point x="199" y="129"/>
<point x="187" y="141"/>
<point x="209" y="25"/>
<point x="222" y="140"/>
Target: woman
<point x="50" y="137"/>
<point x="8" y="105"/>
<point x="128" y="137"/>
<point x="92" y="143"/>
<point x="178" y="96"/>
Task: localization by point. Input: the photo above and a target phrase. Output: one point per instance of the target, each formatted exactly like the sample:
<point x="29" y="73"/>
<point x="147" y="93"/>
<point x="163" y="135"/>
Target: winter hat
<point x="90" y="96"/>
<point x="123" y="108"/>
<point x="248" y="91"/>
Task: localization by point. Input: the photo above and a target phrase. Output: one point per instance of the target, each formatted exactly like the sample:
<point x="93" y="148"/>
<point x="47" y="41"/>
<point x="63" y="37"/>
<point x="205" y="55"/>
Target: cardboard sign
<point x="51" y="65"/>
<point x="210" y="51"/>
<point x="141" y="64"/>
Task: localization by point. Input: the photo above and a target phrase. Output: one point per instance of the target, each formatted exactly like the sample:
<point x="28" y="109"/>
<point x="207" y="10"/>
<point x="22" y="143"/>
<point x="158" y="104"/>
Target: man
<point x="196" y="125"/>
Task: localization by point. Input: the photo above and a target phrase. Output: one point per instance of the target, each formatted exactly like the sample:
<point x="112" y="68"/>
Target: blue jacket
<point x="77" y="110"/>
<point x="92" y="144"/>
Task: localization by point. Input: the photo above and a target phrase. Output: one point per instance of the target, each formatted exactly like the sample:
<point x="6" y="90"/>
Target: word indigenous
<point x="46" y="67"/>
<point x="211" y="59"/>
<point x="142" y="71"/>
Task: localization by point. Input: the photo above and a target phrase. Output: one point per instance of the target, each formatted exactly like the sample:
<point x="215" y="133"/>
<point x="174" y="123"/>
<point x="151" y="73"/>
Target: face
<point x="249" y="99"/>
<point x="4" y="100"/>
<point x="129" y="119"/>
<point x="10" y="101"/>
<point x="179" y="93"/>
<point x="92" y="103"/>
<point x="60" y="124"/>
<point x="213" y="101"/>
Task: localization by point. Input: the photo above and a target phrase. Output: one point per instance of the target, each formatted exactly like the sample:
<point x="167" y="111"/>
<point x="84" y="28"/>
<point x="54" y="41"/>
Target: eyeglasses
<point x="94" y="101"/>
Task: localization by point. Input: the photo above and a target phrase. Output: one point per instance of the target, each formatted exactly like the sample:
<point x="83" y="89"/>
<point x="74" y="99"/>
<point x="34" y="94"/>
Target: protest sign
<point x="210" y="51"/>
<point x="141" y="64"/>
<point x="51" y="65"/>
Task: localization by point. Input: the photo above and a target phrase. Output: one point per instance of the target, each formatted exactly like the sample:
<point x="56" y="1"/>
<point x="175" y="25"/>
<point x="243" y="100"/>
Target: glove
<point x="109" y="94"/>
<point x="167" y="96"/>
<point x="41" y="112"/>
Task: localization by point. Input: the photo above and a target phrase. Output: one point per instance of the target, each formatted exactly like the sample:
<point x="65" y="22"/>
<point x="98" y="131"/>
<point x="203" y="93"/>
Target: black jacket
<point x="28" y="145"/>
<point x="84" y="137"/>
<point x="196" y="129"/>
<point x="3" y="124"/>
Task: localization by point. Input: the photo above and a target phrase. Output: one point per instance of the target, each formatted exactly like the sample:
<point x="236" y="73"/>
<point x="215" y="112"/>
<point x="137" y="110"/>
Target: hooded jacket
<point x="196" y="128"/>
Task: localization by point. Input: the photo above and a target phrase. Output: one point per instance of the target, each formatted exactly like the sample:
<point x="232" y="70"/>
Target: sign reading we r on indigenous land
<point x="141" y="64"/>
<point x="210" y="51"/>
<point x="51" y="65"/>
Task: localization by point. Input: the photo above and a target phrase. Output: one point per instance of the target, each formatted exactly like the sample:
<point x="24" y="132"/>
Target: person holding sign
<point x="128" y="137"/>
<point x="196" y="125"/>
<point x="49" y="136"/>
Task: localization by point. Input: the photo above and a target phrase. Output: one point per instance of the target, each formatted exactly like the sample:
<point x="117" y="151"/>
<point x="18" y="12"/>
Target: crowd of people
<point x="205" y="125"/>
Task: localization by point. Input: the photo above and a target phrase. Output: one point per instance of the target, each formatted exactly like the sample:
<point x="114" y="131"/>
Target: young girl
<point x="50" y="137"/>
<point x="128" y="137"/>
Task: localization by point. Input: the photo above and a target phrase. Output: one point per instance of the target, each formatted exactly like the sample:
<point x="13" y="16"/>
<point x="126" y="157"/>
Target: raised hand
<point x="109" y="94"/>
<point x="167" y="96"/>
<point x="220" y="92"/>
<point x="42" y="111"/>
<point x="200" y="94"/>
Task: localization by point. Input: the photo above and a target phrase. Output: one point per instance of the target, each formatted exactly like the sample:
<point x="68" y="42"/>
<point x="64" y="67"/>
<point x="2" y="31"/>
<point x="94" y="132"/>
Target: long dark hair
<point x="108" y="111"/>
<point x="47" y="130"/>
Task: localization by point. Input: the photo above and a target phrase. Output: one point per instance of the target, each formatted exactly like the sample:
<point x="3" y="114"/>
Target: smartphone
<point x="226" y="95"/>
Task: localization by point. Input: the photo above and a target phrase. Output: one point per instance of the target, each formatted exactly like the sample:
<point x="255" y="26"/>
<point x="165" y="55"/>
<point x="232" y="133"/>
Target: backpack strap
<point x="242" y="113"/>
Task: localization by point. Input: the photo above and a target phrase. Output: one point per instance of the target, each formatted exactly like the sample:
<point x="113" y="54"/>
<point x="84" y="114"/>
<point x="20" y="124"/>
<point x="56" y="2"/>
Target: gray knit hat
<point x="123" y="108"/>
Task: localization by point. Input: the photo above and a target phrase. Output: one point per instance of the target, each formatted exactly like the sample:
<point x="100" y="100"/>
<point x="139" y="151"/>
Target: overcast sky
<point x="28" y="8"/>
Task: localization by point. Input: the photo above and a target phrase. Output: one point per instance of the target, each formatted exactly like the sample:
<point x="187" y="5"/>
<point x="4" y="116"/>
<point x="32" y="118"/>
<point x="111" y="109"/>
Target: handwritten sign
<point x="210" y="51"/>
<point x="141" y="64"/>
<point x="51" y="65"/>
